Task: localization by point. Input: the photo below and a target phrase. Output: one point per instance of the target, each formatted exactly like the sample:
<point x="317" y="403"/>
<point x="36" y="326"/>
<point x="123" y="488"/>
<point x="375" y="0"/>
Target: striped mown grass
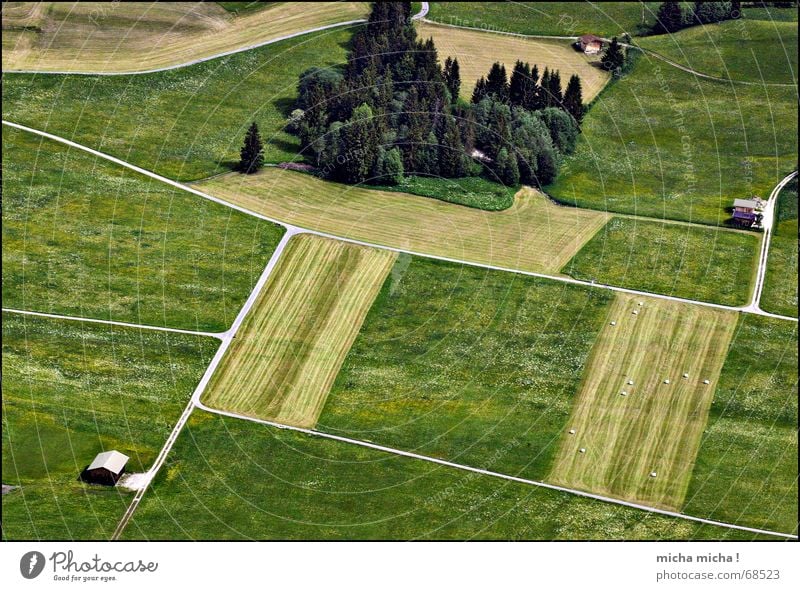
<point x="655" y="427"/>
<point x="533" y="234"/>
<point x="135" y="36"/>
<point x="283" y="362"/>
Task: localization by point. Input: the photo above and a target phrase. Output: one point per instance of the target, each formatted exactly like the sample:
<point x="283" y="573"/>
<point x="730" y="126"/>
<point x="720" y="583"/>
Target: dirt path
<point x="768" y="222"/>
<point x="216" y="335"/>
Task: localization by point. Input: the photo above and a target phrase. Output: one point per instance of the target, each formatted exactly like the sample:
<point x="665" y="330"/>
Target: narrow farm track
<point x="216" y="335"/>
<point x="289" y="350"/>
<point x="769" y="224"/>
<point x="201" y="386"/>
<point x="297" y="229"/>
<point x="408" y="454"/>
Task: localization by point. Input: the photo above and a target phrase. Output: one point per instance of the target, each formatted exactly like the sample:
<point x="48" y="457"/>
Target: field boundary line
<point x="500" y="475"/>
<point x="215" y="335"/>
<point x="191" y="62"/>
<point x="419" y="16"/>
<point x="298" y="229"/>
<point x="203" y="383"/>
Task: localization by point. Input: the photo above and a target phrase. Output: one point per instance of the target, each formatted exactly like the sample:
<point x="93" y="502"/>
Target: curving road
<point x="420" y="15"/>
<point x="768" y="223"/>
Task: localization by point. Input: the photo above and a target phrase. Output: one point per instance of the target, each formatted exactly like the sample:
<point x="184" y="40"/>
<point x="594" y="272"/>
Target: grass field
<point x="292" y="344"/>
<point x="71" y="390"/>
<point x="780" y="283"/>
<point x="532" y="235"/>
<point x="662" y="143"/>
<point x="751" y="50"/>
<point x="693" y="262"/>
<point x="477" y="51"/>
<point x="547" y="18"/>
<point x="187" y="123"/>
<point x="474" y="366"/>
<point x="134" y="36"/>
<point x="746" y="470"/>
<point x="472" y="191"/>
<point x="85" y="237"/>
<point x="656" y="427"/>
<point x="233" y="479"/>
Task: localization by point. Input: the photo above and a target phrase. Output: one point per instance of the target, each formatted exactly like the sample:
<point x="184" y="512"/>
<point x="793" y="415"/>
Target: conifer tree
<point x="544" y="89"/>
<point x="554" y="89"/>
<point x="518" y="86"/>
<point x="669" y="18"/>
<point x="506" y="168"/>
<point x="452" y="78"/>
<point x="497" y="82"/>
<point x="613" y="58"/>
<point x="480" y="91"/>
<point x="252" y="152"/>
<point x="573" y="98"/>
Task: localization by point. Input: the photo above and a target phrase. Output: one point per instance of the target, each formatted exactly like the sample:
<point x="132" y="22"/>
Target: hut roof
<point x="745" y="203"/>
<point x="112" y="460"/>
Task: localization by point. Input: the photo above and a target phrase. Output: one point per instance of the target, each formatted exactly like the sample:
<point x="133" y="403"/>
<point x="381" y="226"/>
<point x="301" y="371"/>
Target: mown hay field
<point x="780" y="282"/>
<point x="289" y="349"/>
<point x="655" y="427"/>
<point x="532" y="235"/>
<point x="135" y="36"/>
<point x="477" y="51"/>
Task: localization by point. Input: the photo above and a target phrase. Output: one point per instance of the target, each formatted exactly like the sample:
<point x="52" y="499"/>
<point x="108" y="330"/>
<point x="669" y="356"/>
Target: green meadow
<point x="85" y="237"/>
<point x="663" y="143"/>
<point x="72" y="390"/>
<point x="751" y="50"/>
<point x="473" y="366"/>
<point x="693" y="262"/>
<point x="780" y="282"/>
<point x="228" y="479"/>
<point x="746" y="469"/>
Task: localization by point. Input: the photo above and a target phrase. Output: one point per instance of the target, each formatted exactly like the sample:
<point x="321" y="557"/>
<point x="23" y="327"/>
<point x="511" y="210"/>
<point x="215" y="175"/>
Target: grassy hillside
<point x="232" y="479"/>
<point x="780" y="283"/>
<point x="746" y="470"/>
<point x="750" y="50"/>
<point x="533" y="234"/>
<point x="72" y="390"/>
<point x="187" y="123"/>
<point x="85" y="237"/>
<point x="691" y="262"/>
<point x="547" y="18"/>
<point x="135" y="36"/>
<point x="475" y="366"/>
<point x="663" y="143"/>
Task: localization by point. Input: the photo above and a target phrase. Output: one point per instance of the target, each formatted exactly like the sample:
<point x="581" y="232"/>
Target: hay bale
<point x="706" y="382"/>
<point x="666" y="381"/>
<point x="653" y="474"/>
<point x="623" y="393"/>
<point x="572" y="431"/>
<point x="582" y="450"/>
<point x="685" y="376"/>
<point x="636" y="312"/>
<point x="630" y="382"/>
<point x="613" y="323"/>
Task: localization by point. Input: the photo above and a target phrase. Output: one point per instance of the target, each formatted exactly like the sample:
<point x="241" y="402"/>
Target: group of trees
<point x="671" y="16"/>
<point x="393" y="110"/>
<point x="526" y="90"/>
